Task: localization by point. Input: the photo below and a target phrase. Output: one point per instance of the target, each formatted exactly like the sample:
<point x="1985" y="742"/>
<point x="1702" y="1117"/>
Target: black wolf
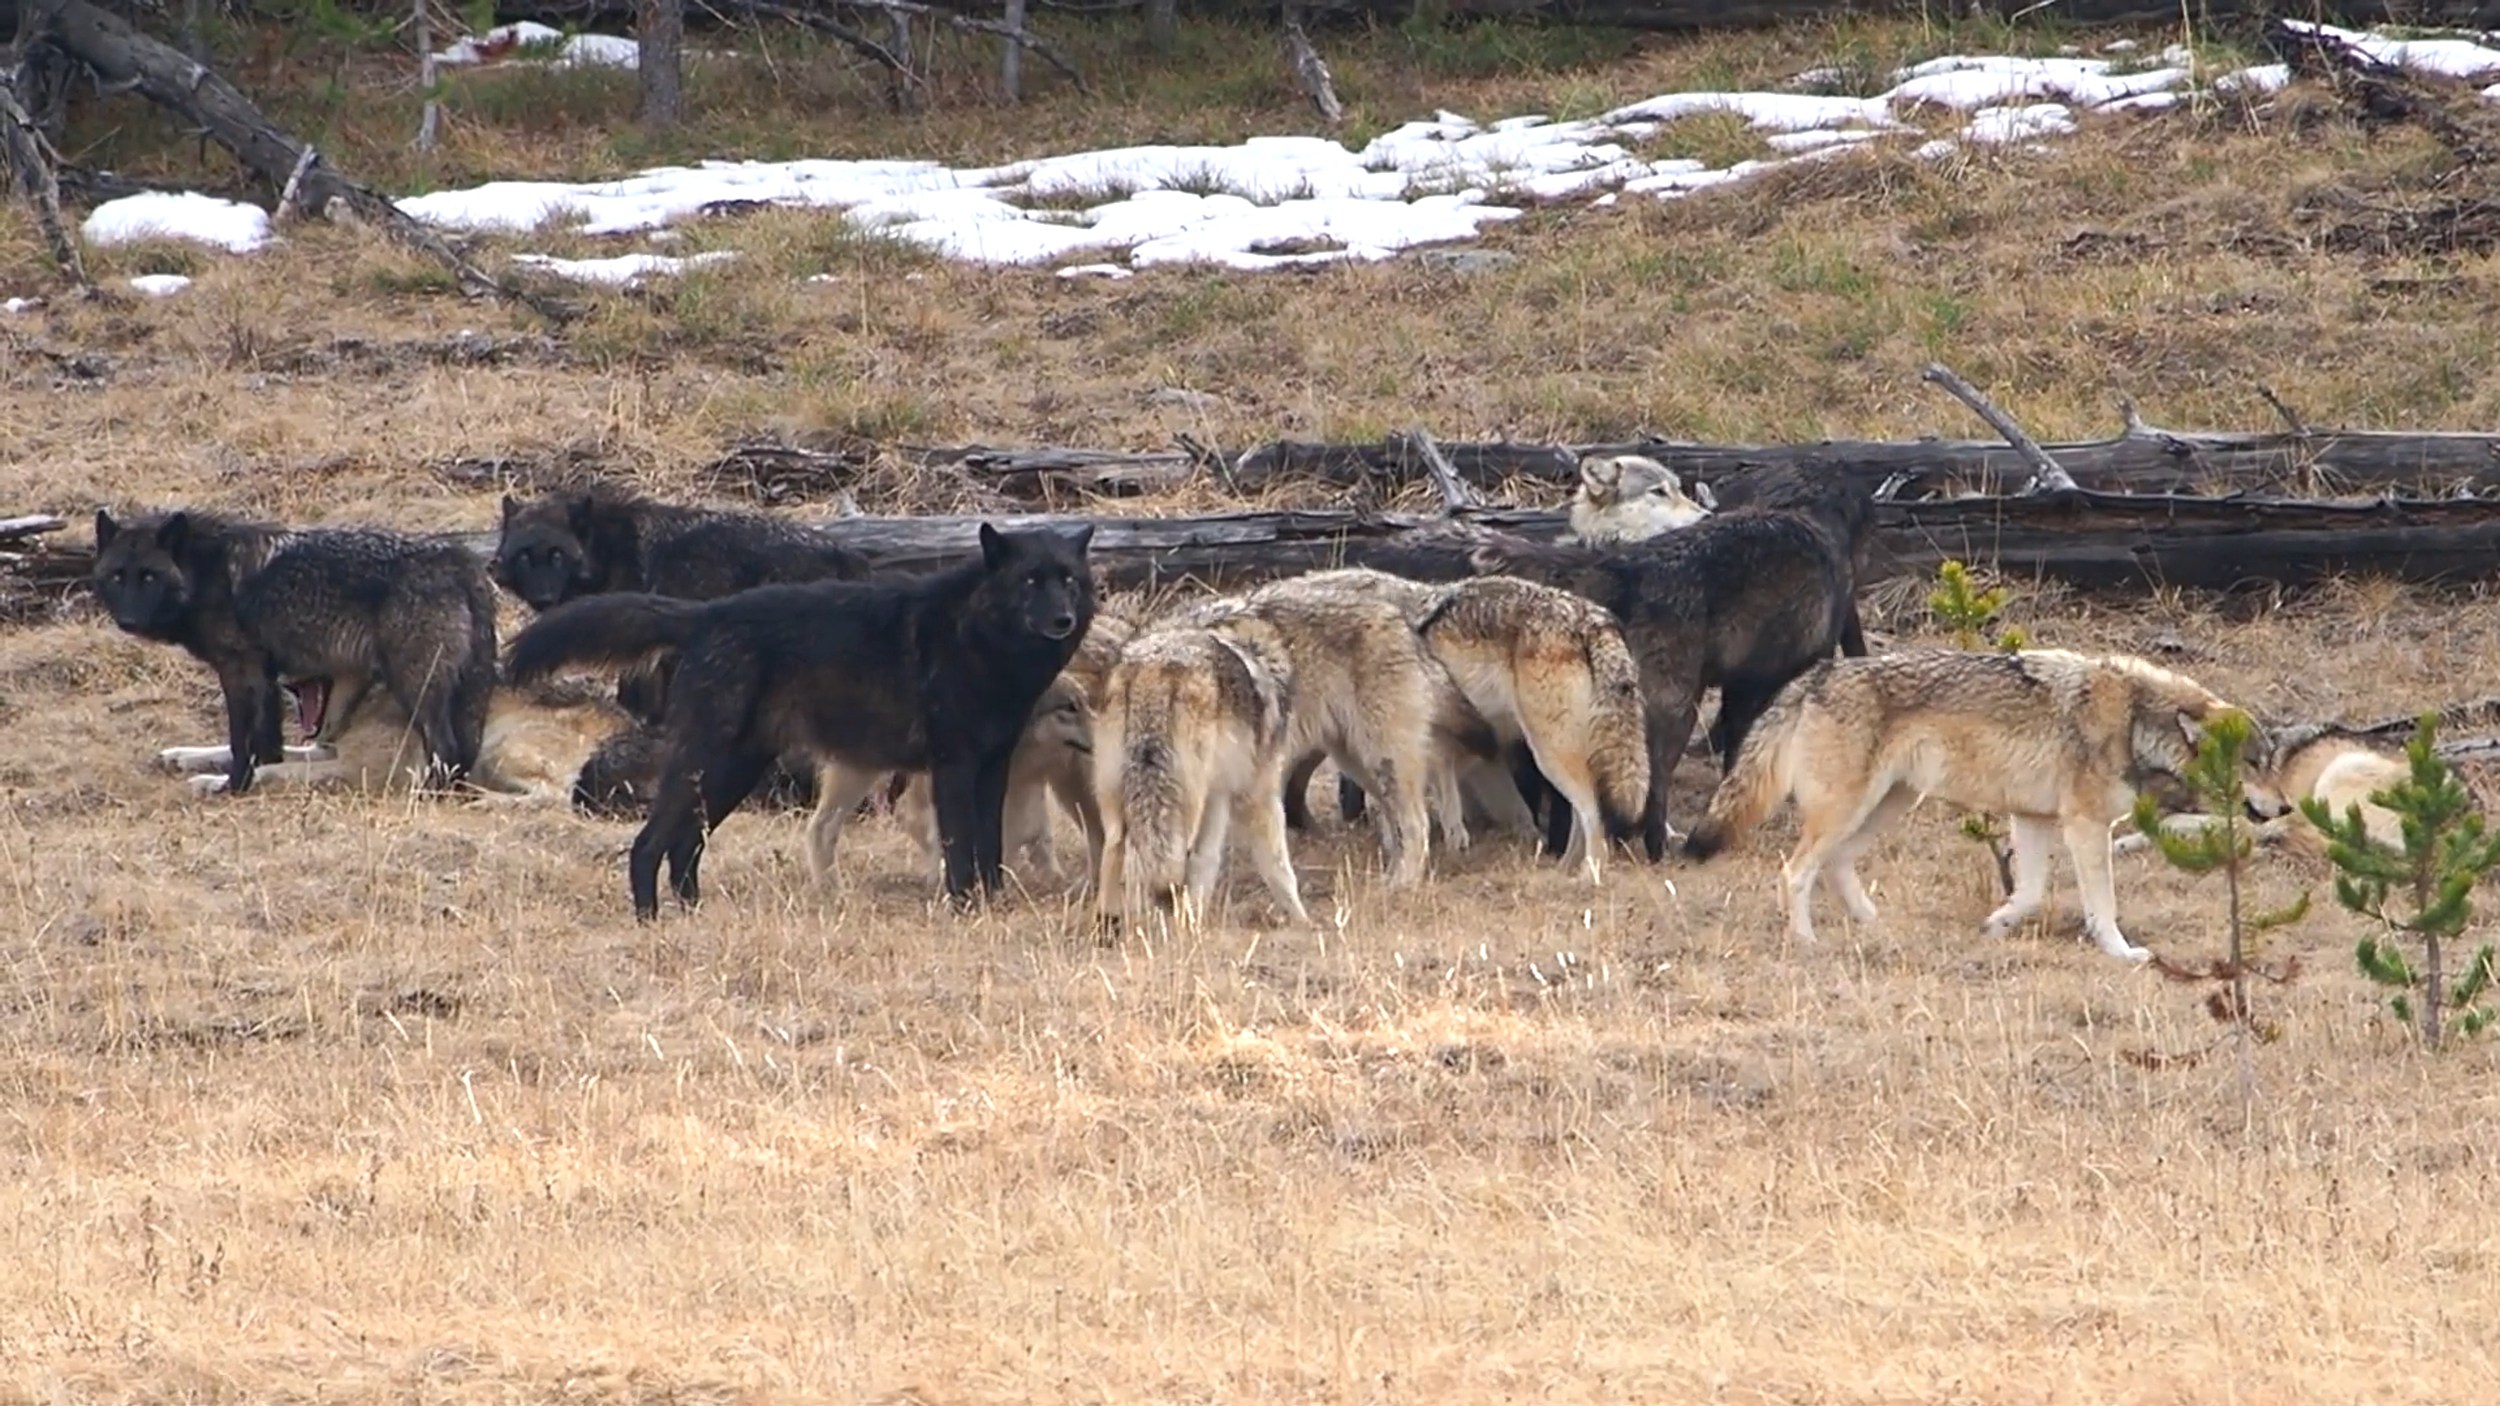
<point x="936" y="673"/>
<point x="1744" y="600"/>
<point x="564" y="545"/>
<point x="328" y="612"/>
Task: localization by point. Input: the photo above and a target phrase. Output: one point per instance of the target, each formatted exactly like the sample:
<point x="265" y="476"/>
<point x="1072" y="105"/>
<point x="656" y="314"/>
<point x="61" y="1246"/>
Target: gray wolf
<point x="2324" y="763"/>
<point x="1191" y="739"/>
<point x="1054" y="760"/>
<point x="937" y="673"/>
<point x="1549" y="674"/>
<point x="2058" y="741"/>
<point x="1744" y="601"/>
<point x="568" y="544"/>
<point x="330" y="612"/>
<point x="1630" y="498"/>
<point x="536" y="743"/>
<point x="1368" y="693"/>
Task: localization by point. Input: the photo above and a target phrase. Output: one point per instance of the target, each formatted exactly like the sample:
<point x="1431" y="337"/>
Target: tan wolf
<point x="1629" y="498"/>
<point x="2321" y="763"/>
<point x="1190" y="740"/>
<point x="1053" y="761"/>
<point x="535" y="743"/>
<point x="2056" y="740"/>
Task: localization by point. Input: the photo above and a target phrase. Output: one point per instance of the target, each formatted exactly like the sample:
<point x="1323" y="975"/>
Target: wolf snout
<point x="1059" y="627"/>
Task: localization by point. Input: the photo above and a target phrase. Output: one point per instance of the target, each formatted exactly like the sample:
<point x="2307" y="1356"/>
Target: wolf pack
<point x="683" y="661"/>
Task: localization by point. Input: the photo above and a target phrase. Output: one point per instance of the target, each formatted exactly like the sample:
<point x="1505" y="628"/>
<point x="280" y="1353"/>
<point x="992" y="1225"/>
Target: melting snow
<point x="1273" y="202"/>
<point x="160" y="285"/>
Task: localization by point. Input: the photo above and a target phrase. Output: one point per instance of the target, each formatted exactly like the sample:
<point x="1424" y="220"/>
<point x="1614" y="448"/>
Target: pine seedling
<point x="2447" y="850"/>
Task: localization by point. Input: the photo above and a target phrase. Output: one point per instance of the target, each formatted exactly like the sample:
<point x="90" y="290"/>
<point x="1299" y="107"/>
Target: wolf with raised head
<point x="2058" y="741"/>
<point x="1742" y="601"/>
<point x="330" y="613"/>
<point x="1630" y="498"/>
<point x="935" y="673"/>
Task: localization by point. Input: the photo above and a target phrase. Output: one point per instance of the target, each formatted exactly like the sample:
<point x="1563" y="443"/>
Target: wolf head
<point x="145" y="572"/>
<point x="1628" y="498"/>
<point x="544" y="554"/>
<point x="1036" y="584"/>
<point x="2172" y="716"/>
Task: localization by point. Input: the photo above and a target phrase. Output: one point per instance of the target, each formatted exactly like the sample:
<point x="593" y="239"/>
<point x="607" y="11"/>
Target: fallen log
<point x="2139" y="459"/>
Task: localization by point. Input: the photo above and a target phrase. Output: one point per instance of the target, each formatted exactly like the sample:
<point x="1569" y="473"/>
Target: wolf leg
<point x="1206" y="851"/>
<point x="1350" y="799"/>
<point x="1670" y="728"/>
<point x="2031" y="840"/>
<point x="2088" y="841"/>
<point x="1406" y="823"/>
<point x="1075" y="791"/>
<point x="1449" y="805"/>
<point x="840" y="787"/>
<point x="672" y="822"/>
<point x="1841" y="875"/>
<point x="1263" y="835"/>
<point x="1570" y="778"/>
<point x="253" y="730"/>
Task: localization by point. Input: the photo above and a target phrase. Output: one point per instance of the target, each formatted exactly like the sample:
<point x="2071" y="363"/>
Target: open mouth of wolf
<point x="312" y="703"/>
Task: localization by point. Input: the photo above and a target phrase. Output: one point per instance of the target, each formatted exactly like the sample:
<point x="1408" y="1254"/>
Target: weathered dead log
<point x="2140" y="459"/>
<point x="1310" y="72"/>
<point x="124" y="58"/>
<point x="35" y="165"/>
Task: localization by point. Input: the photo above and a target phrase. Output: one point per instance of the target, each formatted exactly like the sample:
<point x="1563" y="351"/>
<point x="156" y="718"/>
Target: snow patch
<point x="160" y="285"/>
<point x="533" y="43"/>
<point x="185" y="215"/>
<point x="624" y="269"/>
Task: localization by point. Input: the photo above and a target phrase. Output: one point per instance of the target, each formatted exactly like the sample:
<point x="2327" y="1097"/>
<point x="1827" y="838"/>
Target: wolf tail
<point x="1758" y="781"/>
<point x="1617" y="729"/>
<point x="1149" y="746"/>
<point x="614" y="630"/>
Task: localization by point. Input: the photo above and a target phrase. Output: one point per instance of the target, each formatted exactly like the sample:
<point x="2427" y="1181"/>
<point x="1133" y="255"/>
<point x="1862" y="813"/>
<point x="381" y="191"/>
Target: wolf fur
<point x="1369" y="694"/>
<point x="330" y="611"/>
<point x="1743" y="601"/>
<point x="1192" y="738"/>
<point x="1630" y="498"/>
<point x="2058" y="741"/>
<point x="535" y="746"/>
<point x="567" y="544"/>
<point x="937" y="672"/>
<point x="2326" y="764"/>
<point x="1054" y="760"/>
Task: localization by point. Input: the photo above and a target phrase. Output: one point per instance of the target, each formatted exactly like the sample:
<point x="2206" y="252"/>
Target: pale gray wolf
<point x="1053" y="761"/>
<point x="1630" y="498"/>
<point x="536" y="743"/>
<point x="935" y="673"/>
<point x="1547" y="672"/>
<point x="1368" y="692"/>
<point x="2322" y="763"/>
<point x="328" y="612"/>
<point x="1743" y="601"/>
<point x="1190" y="743"/>
<point x="2057" y="741"/>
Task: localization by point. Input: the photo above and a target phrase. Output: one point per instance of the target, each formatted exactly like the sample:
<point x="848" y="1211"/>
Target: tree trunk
<point x="661" y="32"/>
<point x="1011" y="54"/>
<point x="1163" y="24"/>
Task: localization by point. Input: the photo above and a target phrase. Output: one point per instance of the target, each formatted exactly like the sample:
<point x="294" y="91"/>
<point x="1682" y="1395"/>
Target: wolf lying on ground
<point x="535" y="745"/>
<point x="2058" y="741"/>
<point x="1629" y="498"/>
<point x="937" y="673"/>
<point x="2319" y="763"/>
<point x="330" y="611"/>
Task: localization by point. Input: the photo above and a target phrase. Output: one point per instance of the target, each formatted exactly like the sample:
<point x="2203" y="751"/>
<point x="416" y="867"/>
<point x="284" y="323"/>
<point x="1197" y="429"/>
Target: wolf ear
<point x="1081" y="539"/>
<point x="175" y="531"/>
<point x="577" y="513"/>
<point x="1601" y="477"/>
<point x="511" y="509"/>
<point x="105" y="527"/>
<point x="994" y="547"/>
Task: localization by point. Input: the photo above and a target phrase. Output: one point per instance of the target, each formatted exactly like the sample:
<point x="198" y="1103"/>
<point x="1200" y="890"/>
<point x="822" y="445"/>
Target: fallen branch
<point x="897" y="66"/>
<point x="124" y="58"/>
<point x="2047" y="476"/>
<point x="23" y="147"/>
<point x="32" y="525"/>
<point x="1455" y="496"/>
<point x="1310" y="72"/>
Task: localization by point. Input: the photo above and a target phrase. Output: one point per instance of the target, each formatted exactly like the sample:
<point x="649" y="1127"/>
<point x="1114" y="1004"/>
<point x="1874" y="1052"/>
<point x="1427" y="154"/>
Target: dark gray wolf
<point x="1743" y="600"/>
<point x="568" y="544"/>
<point x="329" y="612"/>
<point x="2058" y="741"/>
<point x="936" y="673"/>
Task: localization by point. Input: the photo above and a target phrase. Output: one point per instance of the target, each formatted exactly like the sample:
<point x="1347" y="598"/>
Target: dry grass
<point x="391" y="1101"/>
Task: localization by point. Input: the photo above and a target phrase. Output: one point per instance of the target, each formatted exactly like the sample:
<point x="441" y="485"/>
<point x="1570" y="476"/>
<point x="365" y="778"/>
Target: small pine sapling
<point x="1963" y="604"/>
<point x="2223" y="846"/>
<point x="2447" y="850"/>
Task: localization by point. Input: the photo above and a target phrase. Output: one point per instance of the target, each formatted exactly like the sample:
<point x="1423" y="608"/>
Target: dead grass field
<point x="317" y="1099"/>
